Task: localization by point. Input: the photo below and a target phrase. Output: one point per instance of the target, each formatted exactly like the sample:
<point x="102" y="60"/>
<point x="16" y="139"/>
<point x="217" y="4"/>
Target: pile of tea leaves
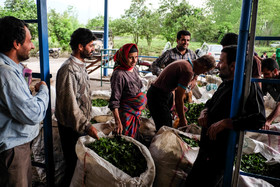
<point x="255" y="163"/>
<point x="122" y="154"/>
<point x="189" y="141"/>
<point x="193" y="112"/>
<point x="99" y="102"/>
<point x="145" y="113"/>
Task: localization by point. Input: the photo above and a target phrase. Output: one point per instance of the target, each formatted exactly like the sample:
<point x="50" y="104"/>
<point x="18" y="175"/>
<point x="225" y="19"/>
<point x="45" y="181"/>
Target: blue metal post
<point x="45" y="76"/>
<point x="106" y="31"/>
<point x="238" y="85"/>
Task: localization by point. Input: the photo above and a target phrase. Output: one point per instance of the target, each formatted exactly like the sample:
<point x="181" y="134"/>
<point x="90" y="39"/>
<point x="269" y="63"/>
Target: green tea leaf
<point x="123" y="154"/>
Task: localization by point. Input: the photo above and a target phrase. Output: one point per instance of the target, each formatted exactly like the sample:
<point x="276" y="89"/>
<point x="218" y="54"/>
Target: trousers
<point x="15" y="167"/>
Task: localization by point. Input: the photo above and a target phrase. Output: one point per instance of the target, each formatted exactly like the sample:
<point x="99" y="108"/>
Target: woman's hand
<point x="119" y="128"/>
<point x="118" y="124"/>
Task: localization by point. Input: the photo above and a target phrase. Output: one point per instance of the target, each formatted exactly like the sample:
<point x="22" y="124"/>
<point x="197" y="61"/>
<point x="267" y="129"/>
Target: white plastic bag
<point x="92" y="170"/>
<point x="172" y="156"/>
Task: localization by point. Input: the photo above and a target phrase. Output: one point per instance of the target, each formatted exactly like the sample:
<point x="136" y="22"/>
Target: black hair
<point x="231" y="53"/>
<point x="207" y="60"/>
<point x="269" y="64"/>
<point x="184" y="33"/>
<point x="229" y="39"/>
<point x="11" y="29"/>
<point x="133" y="49"/>
<point x="81" y="36"/>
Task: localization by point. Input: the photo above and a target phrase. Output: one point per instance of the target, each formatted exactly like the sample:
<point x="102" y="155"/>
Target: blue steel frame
<point x="238" y="85"/>
<point x="238" y="88"/>
<point x="45" y="76"/>
<point x="106" y="32"/>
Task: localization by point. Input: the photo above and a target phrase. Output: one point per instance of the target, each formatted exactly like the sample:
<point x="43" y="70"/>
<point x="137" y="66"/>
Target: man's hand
<point x="182" y="123"/>
<point x="202" y="120"/>
<point x="192" y="83"/>
<point x="37" y="86"/>
<point x="266" y="125"/>
<point x="93" y="132"/>
<point x="217" y="127"/>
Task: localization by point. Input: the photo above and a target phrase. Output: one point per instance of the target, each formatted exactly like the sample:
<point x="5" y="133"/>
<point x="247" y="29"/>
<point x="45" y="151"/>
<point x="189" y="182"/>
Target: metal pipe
<point x="237" y="85"/>
<point x="106" y="32"/>
<point x="247" y="84"/>
<point x="45" y="76"/>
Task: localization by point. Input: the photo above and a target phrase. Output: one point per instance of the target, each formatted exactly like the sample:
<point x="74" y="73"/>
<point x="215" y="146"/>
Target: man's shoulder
<point x="181" y="64"/>
<point x="191" y="51"/>
<point x="5" y="69"/>
<point x="68" y="65"/>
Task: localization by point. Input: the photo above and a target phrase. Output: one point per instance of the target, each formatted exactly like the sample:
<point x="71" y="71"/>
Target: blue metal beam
<point x="106" y="31"/>
<point x="267" y="178"/>
<point x="270" y="81"/>
<point x="267" y="38"/>
<point x="45" y="76"/>
<point x="238" y="85"/>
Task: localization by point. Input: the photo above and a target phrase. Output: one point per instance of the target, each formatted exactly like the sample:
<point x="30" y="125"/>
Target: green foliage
<point x="92" y="121"/>
<point x="227" y="14"/>
<point x="145" y="113"/>
<point x="122" y="154"/>
<point x="118" y="26"/>
<point x="255" y="163"/>
<point x="182" y="16"/>
<point x="99" y="102"/>
<point x="140" y="22"/>
<point x="22" y="9"/>
<point x="190" y="142"/>
<point x="96" y="23"/>
<point x="193" y="112"/>
<point x="61" y="26"/>
<point x="156" y="27"/>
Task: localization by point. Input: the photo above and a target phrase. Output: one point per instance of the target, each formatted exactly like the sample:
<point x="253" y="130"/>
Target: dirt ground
<point x="34" y="65"/>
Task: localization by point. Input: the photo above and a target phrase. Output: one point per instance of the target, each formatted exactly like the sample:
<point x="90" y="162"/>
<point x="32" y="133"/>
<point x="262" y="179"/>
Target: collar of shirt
<point x="18" y="67"/>
<point x="77" y="60"/>
<point x="177" y="50"/>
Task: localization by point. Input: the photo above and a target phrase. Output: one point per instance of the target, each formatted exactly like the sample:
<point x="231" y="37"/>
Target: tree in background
<point x="177" y="16"/>
<point x="141" y="22"/>
<point x="61" y="26"/>
<point x="226" y="15"/>
<point x="268" y="22"/>
<point x="22" y="9"/>
<point x="96" y="23"/>
<point x="151" y="27"/>
<point x="133" y="17"/>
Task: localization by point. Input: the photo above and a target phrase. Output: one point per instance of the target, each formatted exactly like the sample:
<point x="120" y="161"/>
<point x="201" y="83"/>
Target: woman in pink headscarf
<point x="126" y="100"/>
